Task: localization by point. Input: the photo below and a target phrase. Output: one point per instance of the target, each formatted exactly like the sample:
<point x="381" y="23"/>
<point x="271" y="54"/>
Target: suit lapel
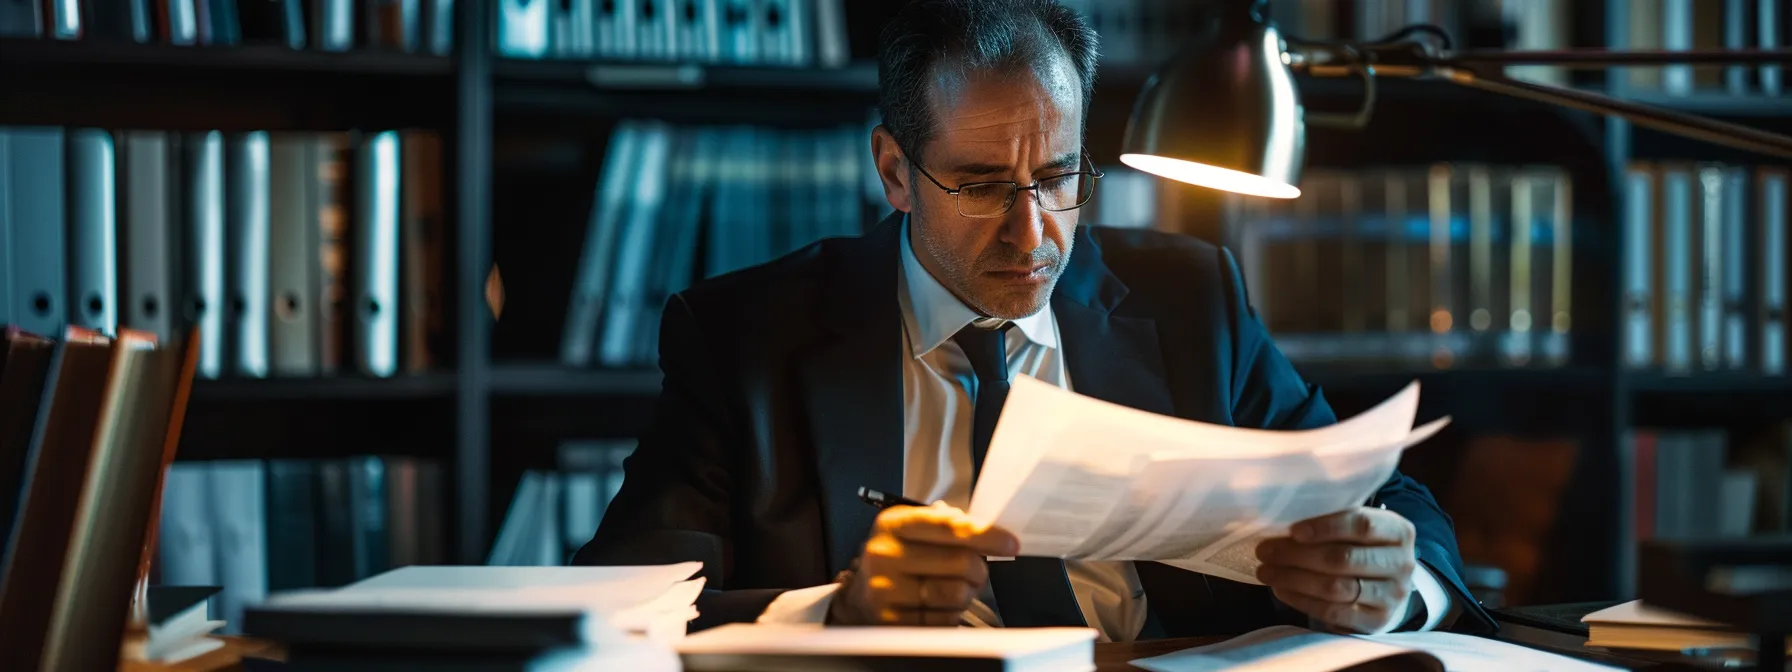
<point x="853" y="386"/>
<point x="1109" y="357"/>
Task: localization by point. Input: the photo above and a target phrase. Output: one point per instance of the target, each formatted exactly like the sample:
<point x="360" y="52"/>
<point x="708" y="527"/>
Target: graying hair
<point x="972" y="35"/>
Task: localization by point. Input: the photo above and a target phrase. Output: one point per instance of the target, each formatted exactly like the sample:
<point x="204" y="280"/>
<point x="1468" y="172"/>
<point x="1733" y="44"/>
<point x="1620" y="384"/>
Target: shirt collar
<point x="932" y="315"/>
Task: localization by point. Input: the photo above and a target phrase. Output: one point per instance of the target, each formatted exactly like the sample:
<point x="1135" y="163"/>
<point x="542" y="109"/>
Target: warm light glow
<point x="1213" y="177"/>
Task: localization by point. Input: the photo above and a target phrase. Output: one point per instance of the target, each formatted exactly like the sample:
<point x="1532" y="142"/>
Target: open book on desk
<point x="1077" y="477"/>
<point x="1290" y="649"/>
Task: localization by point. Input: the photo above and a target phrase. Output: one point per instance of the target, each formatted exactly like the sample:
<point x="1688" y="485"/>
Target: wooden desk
<point x="1112" y="657"/>
<point x="1115" y="657"/>
<point x="1118" y="656"/>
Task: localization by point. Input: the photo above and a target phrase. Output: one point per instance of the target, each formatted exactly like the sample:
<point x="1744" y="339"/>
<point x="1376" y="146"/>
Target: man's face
<point x="992" y="126"/>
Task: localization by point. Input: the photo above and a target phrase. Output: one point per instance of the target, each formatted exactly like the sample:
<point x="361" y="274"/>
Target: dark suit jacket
<point x="783" y="395"/>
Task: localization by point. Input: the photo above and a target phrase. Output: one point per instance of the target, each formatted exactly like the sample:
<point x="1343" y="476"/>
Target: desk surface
<point x="1109" y="657"/>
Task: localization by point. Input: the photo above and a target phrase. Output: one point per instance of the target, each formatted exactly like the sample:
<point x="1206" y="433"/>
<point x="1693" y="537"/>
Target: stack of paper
<point x="412" y="615"/>
<point x="812" y="647"/>
<point x="1076" y="477"/>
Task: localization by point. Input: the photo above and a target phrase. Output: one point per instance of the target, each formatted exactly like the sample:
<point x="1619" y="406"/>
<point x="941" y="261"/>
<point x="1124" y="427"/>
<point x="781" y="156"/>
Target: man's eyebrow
<point x="983" y="169"/>
<point x="1065" y="163"/>
<point x="1062" y="164"/>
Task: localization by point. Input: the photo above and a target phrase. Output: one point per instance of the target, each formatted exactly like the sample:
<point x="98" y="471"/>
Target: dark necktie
<point x="1030" y="592"/>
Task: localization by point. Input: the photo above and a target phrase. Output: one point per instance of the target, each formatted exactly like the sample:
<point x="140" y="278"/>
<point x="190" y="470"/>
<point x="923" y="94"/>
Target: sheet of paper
<point x="1077" y="477"/>
<point x="1290" y="649"/>
<point x="476" y="576"/>
<point x="514" y="590"/>
<point x="1349" y="478"/>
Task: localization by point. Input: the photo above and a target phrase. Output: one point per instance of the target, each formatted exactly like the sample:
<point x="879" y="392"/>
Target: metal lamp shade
<point x="1223" y="114"/>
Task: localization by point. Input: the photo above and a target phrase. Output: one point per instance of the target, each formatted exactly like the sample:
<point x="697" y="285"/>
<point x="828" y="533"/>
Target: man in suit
<point x="883" y="360"/>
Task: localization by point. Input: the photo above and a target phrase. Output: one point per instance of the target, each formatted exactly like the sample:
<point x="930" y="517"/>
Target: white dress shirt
<point x="937" y="390"/>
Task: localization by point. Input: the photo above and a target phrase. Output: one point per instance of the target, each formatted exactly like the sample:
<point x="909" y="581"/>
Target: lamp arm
<point x="1413" y="60"/>
<point x="1648" y="116"/>
<point x="1599" y="59"/>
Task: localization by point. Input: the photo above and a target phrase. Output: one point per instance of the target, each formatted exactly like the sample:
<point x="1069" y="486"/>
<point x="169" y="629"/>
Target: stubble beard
<point x="989" y="297"/>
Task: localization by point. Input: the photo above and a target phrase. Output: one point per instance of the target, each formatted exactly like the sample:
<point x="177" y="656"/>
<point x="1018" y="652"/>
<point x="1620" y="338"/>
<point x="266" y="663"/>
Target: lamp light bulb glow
<point x="1213" y="177"/>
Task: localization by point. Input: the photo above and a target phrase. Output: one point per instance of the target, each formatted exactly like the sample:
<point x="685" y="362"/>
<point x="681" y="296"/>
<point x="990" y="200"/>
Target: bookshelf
<point x="250" y="87"/>
<point x="1653" y="384"/>
<point x="858" y="78"/>
<point x="244" y="390"/>
<point x="574" y="93"/>
<point x="550" y="380"/>
<point x="472" y="411"/>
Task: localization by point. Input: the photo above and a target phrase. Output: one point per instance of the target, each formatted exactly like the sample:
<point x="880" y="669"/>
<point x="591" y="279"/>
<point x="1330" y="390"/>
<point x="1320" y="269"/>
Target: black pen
<point x="884" y="500"/>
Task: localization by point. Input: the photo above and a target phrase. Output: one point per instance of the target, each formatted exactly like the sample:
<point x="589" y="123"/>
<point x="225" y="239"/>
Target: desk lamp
<point x="1223" y="113"/>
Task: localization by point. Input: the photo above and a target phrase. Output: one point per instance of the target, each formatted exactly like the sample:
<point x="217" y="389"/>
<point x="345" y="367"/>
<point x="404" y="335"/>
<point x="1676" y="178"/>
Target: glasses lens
<point x="985" y="200"/>
<point x="1065" y="192"/>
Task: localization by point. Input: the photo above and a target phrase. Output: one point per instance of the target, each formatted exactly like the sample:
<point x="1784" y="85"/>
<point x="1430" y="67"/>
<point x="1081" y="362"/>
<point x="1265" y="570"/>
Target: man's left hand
<point x="1352" y="569"/>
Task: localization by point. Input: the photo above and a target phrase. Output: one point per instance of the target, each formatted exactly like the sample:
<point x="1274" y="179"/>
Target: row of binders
<point x="89" y="422"/>
<point x="677" y="203"/>
<point x="1444" y="266"/>
<point x="416" y="26"/>
<point x="1704" y="258"/>
<point x="788" y="33"/>
<point x="293" y="254"/>
<point x="253" y="527"/>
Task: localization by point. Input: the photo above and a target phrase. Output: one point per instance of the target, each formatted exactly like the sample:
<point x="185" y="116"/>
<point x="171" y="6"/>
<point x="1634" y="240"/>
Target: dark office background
<point x="1598" y="307"/>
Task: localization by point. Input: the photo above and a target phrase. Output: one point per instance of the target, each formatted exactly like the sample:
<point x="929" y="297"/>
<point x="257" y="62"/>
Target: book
<point x="1285" y="647"/>
<point x="765" y="646"/>
<point x="111" y="411"/>
<point x="1634" y="625"/>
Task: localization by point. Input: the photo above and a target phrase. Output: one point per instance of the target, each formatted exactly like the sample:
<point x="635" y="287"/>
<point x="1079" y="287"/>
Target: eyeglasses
<point x="1057" y="193"/>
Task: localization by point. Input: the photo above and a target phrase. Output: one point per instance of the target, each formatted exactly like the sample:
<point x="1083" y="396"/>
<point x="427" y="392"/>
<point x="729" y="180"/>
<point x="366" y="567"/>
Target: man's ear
<point x="892" y="169"/>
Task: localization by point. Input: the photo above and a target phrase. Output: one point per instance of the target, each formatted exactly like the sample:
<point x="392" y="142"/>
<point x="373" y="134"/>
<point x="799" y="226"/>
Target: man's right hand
<point x="921" y="566"/>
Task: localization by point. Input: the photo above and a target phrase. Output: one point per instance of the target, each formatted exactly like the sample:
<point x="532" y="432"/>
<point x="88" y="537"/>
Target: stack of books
<point x="88" y="425"/>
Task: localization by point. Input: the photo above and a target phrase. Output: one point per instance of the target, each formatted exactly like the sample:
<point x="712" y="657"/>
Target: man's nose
<point x="1024" y="226"/>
